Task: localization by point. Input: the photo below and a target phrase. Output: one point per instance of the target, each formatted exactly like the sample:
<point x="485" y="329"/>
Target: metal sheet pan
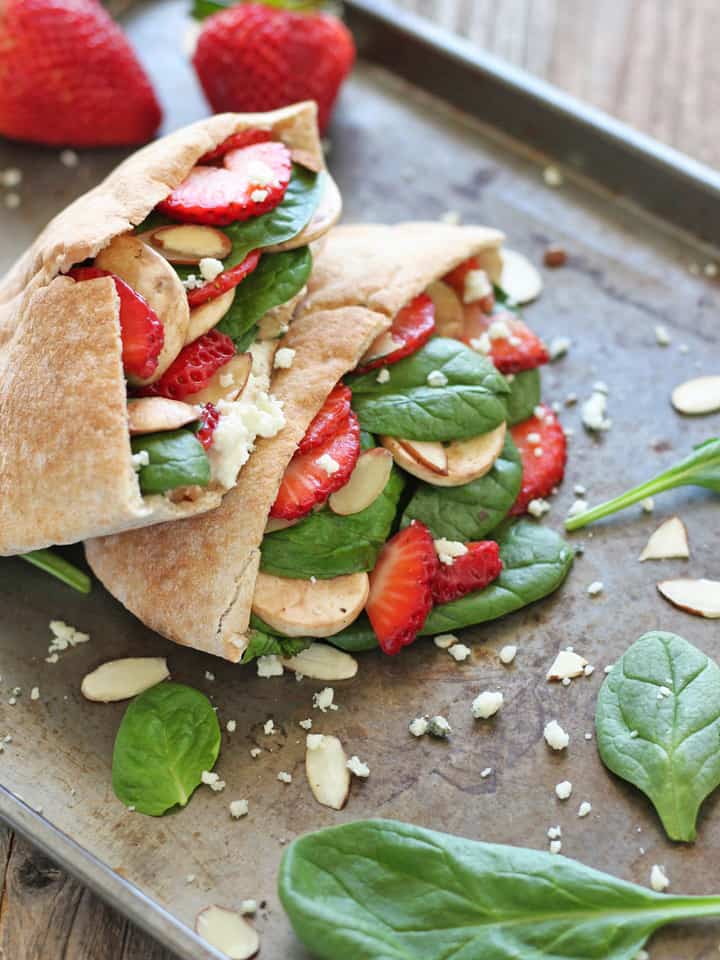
<point x="398" y="153"/>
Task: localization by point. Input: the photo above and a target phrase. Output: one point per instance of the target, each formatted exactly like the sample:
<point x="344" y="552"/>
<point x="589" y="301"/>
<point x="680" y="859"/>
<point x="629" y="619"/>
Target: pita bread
<point x="194" y="581"/>
<point x="65" y="459"/>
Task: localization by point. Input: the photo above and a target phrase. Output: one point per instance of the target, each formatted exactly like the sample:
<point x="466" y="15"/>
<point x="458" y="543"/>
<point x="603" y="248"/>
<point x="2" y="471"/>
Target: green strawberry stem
<point x="59" y="567"/>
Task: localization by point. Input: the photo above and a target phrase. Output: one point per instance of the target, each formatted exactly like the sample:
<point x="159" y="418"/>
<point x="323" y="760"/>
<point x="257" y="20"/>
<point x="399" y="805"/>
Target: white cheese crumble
<point x="648" y="505"/>
<point x="487" y="704"/>
<point x="594" y="412"/>
<point x="584" y="809"/>
<point x="254" y="414"/>
<point x="418" y="727"/>
<point x="193" y="282"/>
<point x="486" y="772"/>
<point x="578" y="507"/>
<point x="596" y="588"/>
<point x="260" y="173"/>
<point x="662" y="337"/>
<point x="355" y="765"/>
<point x="508" y="653"/>
<point x="209" y="675"/>
<point x="555" y="736"/>
<point x="238" y="808"/>
<point x="439" y="727"/>
<point x="445" y="640"/>
<point x="533" y="438"/>
<point x="284" y="358"/>
<point x="35" y="693"/>
<point x="140" y="460"/>
<point x="499" y="330"/>
<point x="313" y="741"/>
<point x="68" y="158"/>
<point x="328" y="464"/>
<point x="255" y="752"/>
<point x="459" y="652"/>
<point x="12" y="177"/>
<point x="323" y="700"/>
<point x="269" y="727"/>
<point x="559" y="347"/>
<point x="248" y="907"/>
<point x="555" y="846"/>
<point x="579" y="490"/>
<point x="258" y="196"/>
<point x="210" y="268"/>
<point x="270" y="666"/>
<point x="284" y="777"/>
<point x="482" y="344"/>
<point x="447" y="550"/>
<point x="477" y="286"/>
<point x="552" y="176"/>
<point x="436" y="378"/>
<point x="64" y="636"/>
<point x="538" y="508"/>
<point x="563" y="790"/>
<point x="383" y="375"/>
<point x="212" y="780"/>
<point x="554" y="833"/>
<point x="231" y="726"/>
<point x="659" y="880"/>
<point x="12" y="201"/>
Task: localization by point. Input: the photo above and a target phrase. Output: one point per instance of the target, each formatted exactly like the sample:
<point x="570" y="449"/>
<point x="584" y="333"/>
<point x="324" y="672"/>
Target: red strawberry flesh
<point x="472" y="571"/>
<point x="520" y="350"/>
<point x="209" y="419"/>
<point x="332" y="413"/>
<point x="224" y="281"/>
<point x="193" y="367"/>
<point x="242" y="139"/>
<point x="411" y="329"/>
<point x="543" y="451"/>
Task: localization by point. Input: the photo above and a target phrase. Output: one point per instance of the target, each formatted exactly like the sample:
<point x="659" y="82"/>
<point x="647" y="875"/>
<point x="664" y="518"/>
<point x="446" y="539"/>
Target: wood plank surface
<point x="652" y="63"/>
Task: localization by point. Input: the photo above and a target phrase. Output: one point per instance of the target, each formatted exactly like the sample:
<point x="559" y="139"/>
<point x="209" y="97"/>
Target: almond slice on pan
<point x="326" y="215"/>
<point x="567" y="664"/>
<point x="320" y="661"/>
<point x="227" y="383"/>
<point x="228" y="932"/>
<point x="366" y="483"/>
<point x="125" y="678"/>
<point x="326" y="770"/>
<point x="155" y="414"/>
<point x="209" y="315"/>
<point x="188" y="243"/>
<point x="301" y="608"/>
<point x="700" y="597"/>
<point x="520" y="280"/>
<point x="669" y="542"/>
<point x="467" y="460"/>
<point x="449" y="316"/>
<point x="698" y="396"/>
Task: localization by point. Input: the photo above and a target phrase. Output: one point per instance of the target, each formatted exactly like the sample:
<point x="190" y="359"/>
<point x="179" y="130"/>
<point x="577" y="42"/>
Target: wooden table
<point x="653" y="64"/>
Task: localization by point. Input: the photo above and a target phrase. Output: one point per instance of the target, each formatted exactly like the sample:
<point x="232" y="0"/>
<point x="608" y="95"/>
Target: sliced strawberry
<point x="244" y="138"/>
<point x="456" y="279"/>
<point x="308" y="482"/>
<point x="209" y="419"/>
<point x="141" y="330"/>
<point x="411" y="329"/>
<point x="521" y="350"/>
<point x="193" y="367"/>
<point x="333" y="412"/>
<point x="543" y="450"/>
<point x="252" y="181"/>
<point x="224" y="281"/>
<point x="472" y="571"/>
<point x="400" y="595"/>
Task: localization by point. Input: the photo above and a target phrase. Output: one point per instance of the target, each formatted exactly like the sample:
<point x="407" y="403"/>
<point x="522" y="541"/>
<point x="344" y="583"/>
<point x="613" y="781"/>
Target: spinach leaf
<point x="700" y="469"/>
<point x="167" y="738"/>
<point x="524" y="396"/>
<point x="325" y="545"/>
<point x="356" y="638"/>
<point x="472" y="402"/>
<point x="205" y="8"/>
<point x="59" y="567"/>
<point x="658" y="726"/>
<point x="536" y="561"/>
<point x="177" y="459"/>
<point x="275" y="280"/>
<point x="473" y="510"/>
<point x="406" y="892"/>
<point x="265" y="644"/>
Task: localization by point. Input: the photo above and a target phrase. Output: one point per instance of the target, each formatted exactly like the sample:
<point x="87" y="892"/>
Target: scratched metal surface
<point x="398" y="154"/>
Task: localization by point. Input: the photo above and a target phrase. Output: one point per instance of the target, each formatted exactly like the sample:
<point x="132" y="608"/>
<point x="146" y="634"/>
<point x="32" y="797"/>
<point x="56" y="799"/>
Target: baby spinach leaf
<point x="472" y="402"/>
<point x="177" y="459"/>
<point x="406" y="892"/>
<point x="276" y="279"/>
<point x="658" y="726"/>
<point x="536" y="561"/>
<point x="205" y="8"/>
<point x="356" y="638"/>
<point x="265" y="644"/>
<point x="473" y="510"/>
<point x="325" y="545"/>
<point x="57" y="566"/>
<point x="167" y="738"/>
<point x="524" y="396"/>
<point x="700" y="469"/>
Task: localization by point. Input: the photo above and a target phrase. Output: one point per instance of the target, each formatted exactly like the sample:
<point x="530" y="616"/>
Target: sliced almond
<point x="701" y="597"/>
<point x="276" y="322"/>
<point x="366" y="483"/>
<point x="122" y="679"/>
<point x="669" y="542"/>
<point x="326" y="215"/>
<point x="189" y="243"/>
<point x="519" y="278"/>
<point x="150" y="275"/>
<point x="277" y="523"/>
<point x="227" y="383"/>
<point x="567" y="665"/>
<point x="449" y="315"/>
<point x="491" y="261"/>
<point x="327" y="771"/>
<point x="379" y="348"/>
<point x="228" y="931"/>
<point x="323" y="662"/>
<point x="155" y="414"/>
<point x="301" y="608"/>
<point x="209" y="315"/>
<point x="428" y="454"/>
<point x="467" y="460"/>
<point x="698" y="396"/>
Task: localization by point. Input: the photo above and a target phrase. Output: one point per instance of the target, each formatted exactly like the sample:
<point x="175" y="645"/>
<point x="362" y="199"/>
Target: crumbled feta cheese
<point x="662" y="693"/>
<point x="355" y="765"/>
<point x="555" y="736"/>
<point x="231" y="726"/>
<point x="192" y="282"/>
<point x="648" y="505"/>
<point x="566" y="665"/>
<point x="209" y="675"/>
<point x="212" y="780"/>
<point x="254" y="414"/>
<point x="487" y="704"/>
<point x="508" y="653"/>
<point x="595" y="588"/>
<point x="12" y="201"/>
<point x="559" y="347"/>
<point x="589" y="670"/>
<point x="64" y="636"/>
<point x="662" y="336"/>
<point x="486" y="772"/>
<point x="260" y="173"/>
<point x="588" y="736"/>
<point x="35" y="693"/>
<point x="68" y="158"/>
<point x="284" y="358"/>
<point x="578" y="507"/>
<point x="584" y="809"/>
<point x="210" y="268"/>
<point x="439" y="727"/>
<point x="238" y="808"/>
<point x="659" y="880"/>
<point x="139" y="460"/>
<point x="552" y="176"/>
<point x="594" y="412"/>
<point x="313" y="741"/>
<point x="248" y="907"/>
<point x="255" y="752"/>
<point x="269" y="727"/>
<point x="477" y="286"/>
<point x="601" y="387"/>
<point x="418" y="727"/>
<point x="445" y="640"/>
<point x="579" y="490"/>
<point x="482" y="344"/>
<point x="436" y="378"/>
<point x="555" y="846"/>
<point x="270" y="666"/>
<point x="538" y="508"/>
<point x="383" y="375"/>
<point x="328" y="464"/>
<point x="533" y="438"/>
<point x="459" y="652"/>
<point x="554" y="833"/>
<point x="284" y="777"/>
<point x="258" y="196"/>
<point x="323" y="700"/>
<point x="190" y="878"/>
<point x="499" y="330"/>
<point x="563" y="790"/>
<point x="538" y="451"/>
<point x="447" y="550"/>
<point x="12" y="177"/>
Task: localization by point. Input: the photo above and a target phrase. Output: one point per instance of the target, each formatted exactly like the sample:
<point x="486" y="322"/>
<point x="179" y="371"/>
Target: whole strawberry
<point x="68" y="77"/>
<point x="253" y="57"/>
